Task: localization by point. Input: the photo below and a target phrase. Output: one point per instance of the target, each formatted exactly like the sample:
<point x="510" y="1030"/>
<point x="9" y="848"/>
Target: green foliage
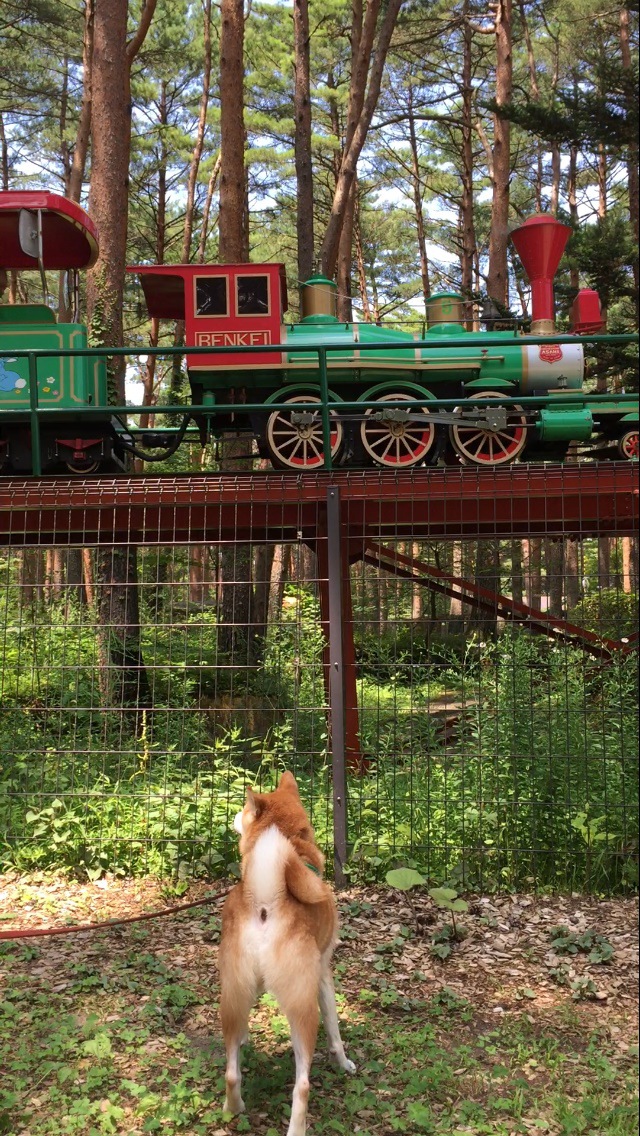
<point x="564" y="941"/>
<point x="609" y="612"/>
<point x="404" y="878"/>
<point x="89" y="790"/>
<point x="447" y="898"/>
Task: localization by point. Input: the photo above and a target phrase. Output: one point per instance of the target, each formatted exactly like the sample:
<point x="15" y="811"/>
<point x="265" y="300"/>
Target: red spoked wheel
<point x="628" y="445"/>
<point x="395" y="444"/>
<point x="299" y="445"/>
<point x="479" y="445"/>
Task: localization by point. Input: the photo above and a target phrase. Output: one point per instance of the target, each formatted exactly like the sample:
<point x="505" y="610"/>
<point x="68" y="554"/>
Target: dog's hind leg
<point x="327" y="999"/>
<point x="303" y="1021"/>
<point x="235" y="1005"/>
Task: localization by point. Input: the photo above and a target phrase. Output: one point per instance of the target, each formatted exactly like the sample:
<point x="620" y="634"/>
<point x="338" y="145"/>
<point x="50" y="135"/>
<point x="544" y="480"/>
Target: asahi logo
<point x="551" y="353"/>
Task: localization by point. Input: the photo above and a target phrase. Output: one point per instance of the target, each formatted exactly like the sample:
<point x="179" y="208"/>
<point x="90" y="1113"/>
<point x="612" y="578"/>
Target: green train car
<point x="43" y="230"/>
<point x="274" y="391"/>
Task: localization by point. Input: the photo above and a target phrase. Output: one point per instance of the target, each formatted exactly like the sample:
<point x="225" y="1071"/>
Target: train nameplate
<point x="232" y="338"/>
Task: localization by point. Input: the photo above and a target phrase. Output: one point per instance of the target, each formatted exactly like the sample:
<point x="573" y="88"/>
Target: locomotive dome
<point x="444" y="310"/>
<point x="318" y="297"/>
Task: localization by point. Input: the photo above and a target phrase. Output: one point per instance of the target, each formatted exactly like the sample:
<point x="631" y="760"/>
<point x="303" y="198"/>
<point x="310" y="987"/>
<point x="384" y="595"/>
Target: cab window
<point x="253" y="295"/>
<point x="211" y="296"/>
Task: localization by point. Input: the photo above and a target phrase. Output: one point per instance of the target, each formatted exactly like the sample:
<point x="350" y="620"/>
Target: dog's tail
<point x="303" y="883"/>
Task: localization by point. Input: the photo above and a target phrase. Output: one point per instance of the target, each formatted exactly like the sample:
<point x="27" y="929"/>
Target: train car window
<point x="253" y="295"/>
<point x="211" y="296"/>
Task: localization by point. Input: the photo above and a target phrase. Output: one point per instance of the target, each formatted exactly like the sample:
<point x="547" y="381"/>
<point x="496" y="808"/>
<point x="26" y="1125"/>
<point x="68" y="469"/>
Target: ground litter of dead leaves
<point x="504" y="966"/>
<point x="507" y="948"/>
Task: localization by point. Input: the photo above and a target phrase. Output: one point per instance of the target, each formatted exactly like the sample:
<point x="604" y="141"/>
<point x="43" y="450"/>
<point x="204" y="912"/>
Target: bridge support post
<point x="339" y="667"/>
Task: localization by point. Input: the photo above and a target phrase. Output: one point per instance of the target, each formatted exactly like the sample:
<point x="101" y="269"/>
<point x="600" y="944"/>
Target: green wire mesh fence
<point x="144" y="685"/>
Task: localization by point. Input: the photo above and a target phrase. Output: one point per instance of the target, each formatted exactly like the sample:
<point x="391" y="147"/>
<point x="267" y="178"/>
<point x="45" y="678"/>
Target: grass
<point x="118" y="1033"/>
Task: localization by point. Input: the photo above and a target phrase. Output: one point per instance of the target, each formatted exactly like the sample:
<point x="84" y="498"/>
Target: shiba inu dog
<point x="279" y="928"/>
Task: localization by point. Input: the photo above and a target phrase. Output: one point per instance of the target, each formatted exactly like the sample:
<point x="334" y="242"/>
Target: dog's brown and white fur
<point x="279" y="929"/>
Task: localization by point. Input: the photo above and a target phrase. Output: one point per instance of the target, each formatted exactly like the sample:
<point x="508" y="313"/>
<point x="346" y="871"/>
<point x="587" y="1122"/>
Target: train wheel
<point x="480" y="446"/>
<point x="295" y="445"/>
<point x="394" y="444"/>
<point x="82" y="466"/>
<point x="628" y="445"/>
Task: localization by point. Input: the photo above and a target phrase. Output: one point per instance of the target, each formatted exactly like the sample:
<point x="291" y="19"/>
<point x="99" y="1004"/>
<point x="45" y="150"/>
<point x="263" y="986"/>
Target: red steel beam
<point x="476" y="596"/>
<point x="442" y="503"/>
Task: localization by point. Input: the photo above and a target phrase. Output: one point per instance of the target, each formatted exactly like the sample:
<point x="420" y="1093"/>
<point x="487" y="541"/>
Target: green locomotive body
<point x="254" y="373"/>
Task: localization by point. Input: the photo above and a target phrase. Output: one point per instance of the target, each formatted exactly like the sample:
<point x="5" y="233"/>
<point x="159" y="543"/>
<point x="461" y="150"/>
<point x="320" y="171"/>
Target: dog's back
<point x="279" y="929"/>
<point x="270" y="932"/>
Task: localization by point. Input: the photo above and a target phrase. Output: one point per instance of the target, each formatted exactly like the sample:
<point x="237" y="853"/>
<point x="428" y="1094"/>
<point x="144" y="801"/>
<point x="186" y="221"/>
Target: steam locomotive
<point x="271" y="392"/>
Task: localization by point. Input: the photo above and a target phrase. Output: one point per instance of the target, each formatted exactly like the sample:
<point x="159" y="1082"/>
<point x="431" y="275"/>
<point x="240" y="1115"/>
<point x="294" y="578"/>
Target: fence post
<point x="336" y="686"/>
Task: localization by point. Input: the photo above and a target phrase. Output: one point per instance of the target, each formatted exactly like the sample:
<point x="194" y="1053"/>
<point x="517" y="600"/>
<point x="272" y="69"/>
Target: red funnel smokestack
<point x="540" y="243"/>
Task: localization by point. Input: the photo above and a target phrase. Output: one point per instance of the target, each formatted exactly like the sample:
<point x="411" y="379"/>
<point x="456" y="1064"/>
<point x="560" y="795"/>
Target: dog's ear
<point x="289" y="783"/>
<point x="255" y="804"/>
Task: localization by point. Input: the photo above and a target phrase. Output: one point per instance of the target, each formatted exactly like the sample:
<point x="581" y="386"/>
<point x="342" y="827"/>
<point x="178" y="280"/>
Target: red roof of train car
<point x="69" y="236"/>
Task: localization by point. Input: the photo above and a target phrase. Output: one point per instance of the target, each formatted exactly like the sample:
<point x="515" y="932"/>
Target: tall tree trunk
<point x="572" y="585"/>
<point x="627" y="583"/>
<point x="418" y="591"/>
<point x="83" y="132"/>
<point x="535" y="95"/>
<point x="467" y="222"/>
<point x="604" y="562"/>
<point x="456" y="624"/>
<point x="263" y="558"/>
<point x="206" y="210"/>
<point x="192" y="180"/>
<point x="235" y="560"/>
<point x="149" y="377"/>
<point x="198" y="591"/>
<point x="233" y="237"/>
<point x="487" y="576"/>
<point x="278" y="578"/>
<point x="531" y="566"/>
<point x="517" y="582"/>
<point x="119" y="615"/>
<point x="32" y="575"/>
<point x="416" y="186"/>
<point x="554" y="560"/>
<point x="366" y="78"/>
<point x="54" y="574"/>
<point x="194" y="165"/>
<point x="572" y="195"/>
<point x="109" y="189"/>
<point x="498" y="279"/>
<point x="112" y="57"/>
<point x="344" y="305"/>
<point x="73" y="572"/>
<point x="632" y="157"/>
<point x="302" y="139"/>
<point x="361" y="267"/>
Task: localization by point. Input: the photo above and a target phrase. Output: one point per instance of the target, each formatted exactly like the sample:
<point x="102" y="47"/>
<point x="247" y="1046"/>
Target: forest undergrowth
<point x="506" y="763"/>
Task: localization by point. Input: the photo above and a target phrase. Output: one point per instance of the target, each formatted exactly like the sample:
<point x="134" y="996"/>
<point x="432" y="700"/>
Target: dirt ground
<point x="507" y="948"/>
<point x="505" y="968"/>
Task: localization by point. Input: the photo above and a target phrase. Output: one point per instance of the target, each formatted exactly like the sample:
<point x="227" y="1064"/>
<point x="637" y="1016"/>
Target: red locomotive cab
<point x="236" y="305"/>
<point x="223" y="305"/>
<point x="586" y="314"/>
